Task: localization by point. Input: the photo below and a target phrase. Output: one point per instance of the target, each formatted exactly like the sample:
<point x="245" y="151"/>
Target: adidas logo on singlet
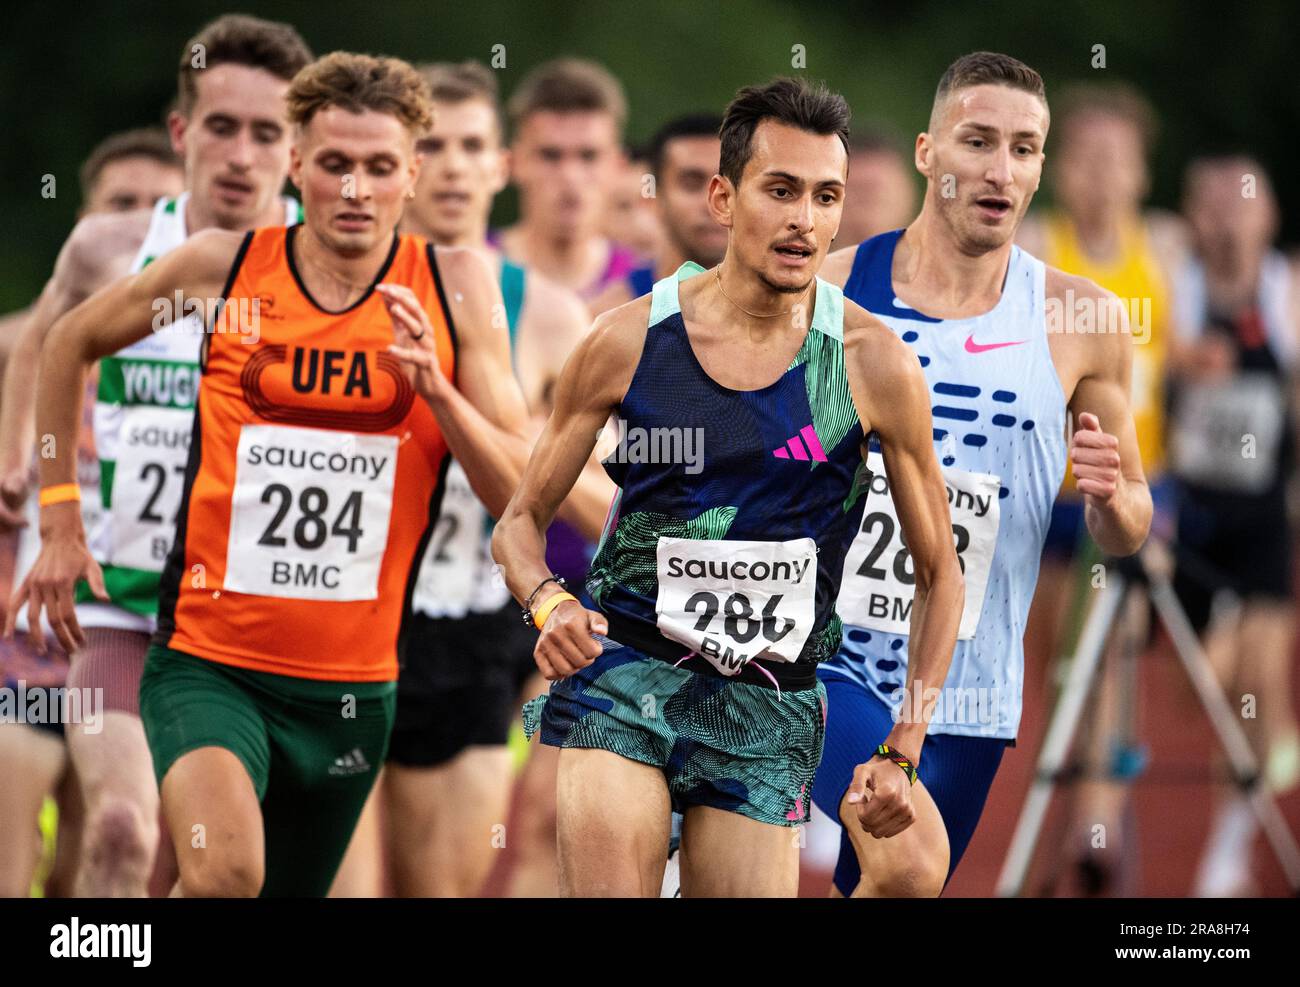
<point x="351" y="763"/>
<point x="795" y="449"/>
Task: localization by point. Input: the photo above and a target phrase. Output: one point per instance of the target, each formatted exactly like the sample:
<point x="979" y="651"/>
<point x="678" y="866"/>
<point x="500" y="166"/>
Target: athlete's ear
<point x="721" y="199"/>
<point x="501" y="173"/>
<point x="413" y="170"/>
<point x="921" y="155"/>
<point x="295" y="166"/>
<point x="176" y="126"/>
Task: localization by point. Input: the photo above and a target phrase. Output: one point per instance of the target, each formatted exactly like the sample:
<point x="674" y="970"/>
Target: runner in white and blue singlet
<point x="985" y="321"/>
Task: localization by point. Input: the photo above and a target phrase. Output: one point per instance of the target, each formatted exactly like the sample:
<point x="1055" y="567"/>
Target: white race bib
<point x="1226" y="434"/>
<point x="457" y="574"/>
<point x="148" y="480"/>
<point x="309" y="513"/>
<point x="879" y="583"/>
<point x="731" y="601"/>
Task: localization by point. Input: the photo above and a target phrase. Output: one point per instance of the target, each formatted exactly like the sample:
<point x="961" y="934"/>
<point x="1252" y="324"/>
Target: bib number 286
<point x="733" y="600"/>
<point x="739" y="622"/>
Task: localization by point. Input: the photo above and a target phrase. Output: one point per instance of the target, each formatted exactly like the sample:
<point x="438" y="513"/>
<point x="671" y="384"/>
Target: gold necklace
<point x="717" y="273"/>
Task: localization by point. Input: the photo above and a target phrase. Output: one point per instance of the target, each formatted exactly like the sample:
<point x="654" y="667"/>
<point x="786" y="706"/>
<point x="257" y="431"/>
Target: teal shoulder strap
<point x="512" y="291"/>
<point x="663" y="298"/>
<point x="828" y="317"/>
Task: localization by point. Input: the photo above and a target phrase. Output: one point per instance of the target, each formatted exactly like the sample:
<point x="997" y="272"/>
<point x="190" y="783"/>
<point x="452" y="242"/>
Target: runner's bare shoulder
<point x="1082" y="314"/>
<point x="100" y="249"/>
<point x="1067" y="290"/>
<point x="839" y="265"/>
<point x="202" y="264"/>
<point x="553" y="312"/>
<point x="885" y="367"/>
<point x="605" y="361"/>
<point x="864" y="330"/>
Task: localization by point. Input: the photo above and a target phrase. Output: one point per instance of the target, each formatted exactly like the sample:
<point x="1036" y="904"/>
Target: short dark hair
<point x="981" y="68"/>
<point x="878" y="137"/>
<point x="1117" y="100"/>
<point x="460" y="82"/>
<point x="146" y="142"/>
<point x="806" y="105"/>
<point x="568" y="85"/>
<point x="1222" y="156"/>
<point x="691" y="125"/>
<point x="237" y="39"/>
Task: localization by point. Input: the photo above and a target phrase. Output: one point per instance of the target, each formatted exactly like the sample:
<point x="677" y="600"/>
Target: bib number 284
<point x="309" y="513"/>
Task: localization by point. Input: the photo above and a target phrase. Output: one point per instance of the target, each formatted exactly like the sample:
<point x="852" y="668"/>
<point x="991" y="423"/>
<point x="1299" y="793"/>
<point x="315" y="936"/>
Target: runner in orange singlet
<point x="315" y="472"/>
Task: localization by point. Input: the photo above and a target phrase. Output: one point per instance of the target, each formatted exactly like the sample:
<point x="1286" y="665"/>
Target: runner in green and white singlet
<point x="143" y="415"/>
<point x="231" y="128"/>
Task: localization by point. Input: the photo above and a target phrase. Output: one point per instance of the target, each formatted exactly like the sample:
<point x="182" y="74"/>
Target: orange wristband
<point x="551" y="602"/>
<point x="60" y="493"/>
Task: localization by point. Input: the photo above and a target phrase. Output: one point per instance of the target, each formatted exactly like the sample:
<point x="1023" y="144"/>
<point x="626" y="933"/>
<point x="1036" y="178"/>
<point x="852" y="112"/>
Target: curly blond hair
<point x="361" y="82"/>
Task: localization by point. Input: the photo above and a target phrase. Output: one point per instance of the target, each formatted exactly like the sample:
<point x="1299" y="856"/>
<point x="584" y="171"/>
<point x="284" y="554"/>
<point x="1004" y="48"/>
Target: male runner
<point x="631" y="218"/>
<point x="125" y="171"/>
<point x="715" y="579"/>
<point x="683" y="156"/>
<point x="1003" y="362"/>
<point x="1233" y="450"/>
<point x="447" y="782"/>
<point x="230" y="128"/>
<point x="567" y="120"/>
<point x="881" y="193"/>
<point x="312" y="478"/>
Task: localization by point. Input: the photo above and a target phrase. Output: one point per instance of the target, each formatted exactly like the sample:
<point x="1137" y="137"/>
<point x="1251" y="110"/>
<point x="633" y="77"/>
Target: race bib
<point x="309" y="513"/>
<point x="732" y="601"/>
<point x="457" y="574"/>
<point x="148" y="480"/>
<point x="1226" y="434"/>
<point x="879" y="583"/>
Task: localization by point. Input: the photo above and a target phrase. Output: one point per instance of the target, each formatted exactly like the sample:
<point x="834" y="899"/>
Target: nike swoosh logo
<point x="974" y="347"/>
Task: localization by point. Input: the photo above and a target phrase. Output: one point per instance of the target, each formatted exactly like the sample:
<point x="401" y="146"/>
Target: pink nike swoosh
<point x="974" y="347"/>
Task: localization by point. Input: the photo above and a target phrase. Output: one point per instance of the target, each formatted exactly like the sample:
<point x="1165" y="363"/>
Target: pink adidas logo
<point x="794" y="449"/>
<point x="797" y="813"/>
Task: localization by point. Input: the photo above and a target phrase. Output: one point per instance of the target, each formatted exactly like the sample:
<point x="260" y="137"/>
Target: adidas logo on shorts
<point x="351" y="763"/>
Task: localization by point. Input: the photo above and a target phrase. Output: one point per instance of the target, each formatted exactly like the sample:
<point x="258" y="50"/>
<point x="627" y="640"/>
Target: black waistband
<point x="791" y="676"/>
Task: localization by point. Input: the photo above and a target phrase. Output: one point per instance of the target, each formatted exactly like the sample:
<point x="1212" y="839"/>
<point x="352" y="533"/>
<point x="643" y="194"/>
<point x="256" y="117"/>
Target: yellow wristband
<point x="60" y="493"/>
<point x="551" y="602"/>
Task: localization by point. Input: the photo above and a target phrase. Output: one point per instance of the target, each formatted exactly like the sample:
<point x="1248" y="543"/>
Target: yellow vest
<point x="1136" y="278"/>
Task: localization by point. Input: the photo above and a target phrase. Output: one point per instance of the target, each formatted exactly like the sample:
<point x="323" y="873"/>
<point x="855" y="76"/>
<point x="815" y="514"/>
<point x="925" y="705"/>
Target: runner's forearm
<point x="587" y="505"/>
<point x="519" y="540"/>
<point x="936" y="614"/>
<point x="1120" y="526"/>
<point x="493" y="457"/>
<point x="60" y="381"/>
<point x="519" y="547"/>
<point x="18" y="407"/>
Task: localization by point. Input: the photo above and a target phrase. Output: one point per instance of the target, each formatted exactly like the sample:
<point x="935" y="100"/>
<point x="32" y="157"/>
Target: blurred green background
<point x="1217" y="74"/>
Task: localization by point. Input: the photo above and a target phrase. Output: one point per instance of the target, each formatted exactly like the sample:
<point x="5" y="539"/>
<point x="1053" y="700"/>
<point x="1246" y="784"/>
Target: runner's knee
<point x="916" y="878"/>
<point x="213" y="873"/>
<point x="120" y="836"/>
